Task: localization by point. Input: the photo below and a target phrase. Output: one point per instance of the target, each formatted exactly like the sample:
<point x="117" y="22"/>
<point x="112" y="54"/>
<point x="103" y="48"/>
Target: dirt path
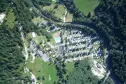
<point x="26" y="58"/>
<point x="32" y="76"/>
<point x="33" y="57"/>
<point x="25" y="48"/>
<point x="106" y="76"/>
<point x="25" y="53"/>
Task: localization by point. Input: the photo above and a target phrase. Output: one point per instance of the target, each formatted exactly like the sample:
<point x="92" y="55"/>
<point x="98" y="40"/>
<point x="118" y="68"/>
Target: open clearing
<point x="40" y="69"/>
<point x="87" y="6"/>
<point x="59" y="11"/>
<point x="10" y="19"/>
<point x="69" y="67"/>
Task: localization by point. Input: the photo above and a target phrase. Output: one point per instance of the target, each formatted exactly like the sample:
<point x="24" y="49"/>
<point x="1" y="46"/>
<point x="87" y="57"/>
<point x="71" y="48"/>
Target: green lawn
<point x="69" y="67"/>
<point x="40" y="69"/>
<point x="86" y="6"/>
<point x="10" y="19"/>
<point x="58" y="12"/>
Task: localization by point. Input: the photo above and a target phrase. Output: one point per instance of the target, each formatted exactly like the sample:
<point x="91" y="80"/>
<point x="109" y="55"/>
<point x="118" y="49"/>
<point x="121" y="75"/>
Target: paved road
<point x="77" y="58"/>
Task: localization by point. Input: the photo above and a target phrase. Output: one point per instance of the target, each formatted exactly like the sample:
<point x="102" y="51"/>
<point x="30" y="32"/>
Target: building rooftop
<point x="2" y="17"/>
<point x="33" y="34"/>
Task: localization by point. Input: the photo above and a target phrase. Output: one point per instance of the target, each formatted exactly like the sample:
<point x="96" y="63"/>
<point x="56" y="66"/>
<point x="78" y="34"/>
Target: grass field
<point x="59" y="11"/>
<point x="69" y="67"/>
<point x="40" y="69"/>
<point x="10" y="19"/>
<point x="87" y="6"/>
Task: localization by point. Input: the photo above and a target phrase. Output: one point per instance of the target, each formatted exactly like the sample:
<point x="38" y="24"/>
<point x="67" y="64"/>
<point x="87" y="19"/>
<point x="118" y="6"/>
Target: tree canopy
<point x="11" y="58"/>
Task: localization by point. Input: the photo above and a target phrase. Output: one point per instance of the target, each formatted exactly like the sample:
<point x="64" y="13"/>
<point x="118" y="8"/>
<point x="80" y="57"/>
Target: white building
<point x="2" y="17"/>
<point x="33" y="34"/>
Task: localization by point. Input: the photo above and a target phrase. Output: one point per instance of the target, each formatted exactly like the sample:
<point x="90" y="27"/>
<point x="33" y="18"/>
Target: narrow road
<point x="106" y="77"/>
<point x="26" y="50"/>
<point x="32" y="77"/>
<point x="77" y="58"/>
<point x="26" y="57"/>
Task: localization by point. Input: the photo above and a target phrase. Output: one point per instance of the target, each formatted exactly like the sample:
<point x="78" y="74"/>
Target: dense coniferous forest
<point x="11" y="58"/>
<point x="83" y="75"/>
<point x="109" y="22"/>
<point x="3" y="5"/>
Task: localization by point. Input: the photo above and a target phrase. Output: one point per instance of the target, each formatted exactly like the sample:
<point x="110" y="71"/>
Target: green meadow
<point x="10" y="19"/>
<point x="87" y="6"/>
<point x="43" y="69"/>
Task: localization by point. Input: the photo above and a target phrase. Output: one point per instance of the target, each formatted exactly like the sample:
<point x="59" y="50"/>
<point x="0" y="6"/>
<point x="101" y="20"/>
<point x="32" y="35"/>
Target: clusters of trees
<point x="61" y="70"/>
<point x="46" y="2"/>
<point x="111" y="19"/>
<point x="3" y="5"/>
<point x="11" y="58"/>
<point x="109" y="22"/>
<point x="24" y="16"/>
<point x="72" y="8"/>
<point x="83" y="75"/>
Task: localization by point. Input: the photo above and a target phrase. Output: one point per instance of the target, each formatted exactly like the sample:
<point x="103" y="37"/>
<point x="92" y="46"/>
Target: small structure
<point x="57" y="38"/>
<point x="33" y="34"/>
<point x="43" y="56"/>
<point x="2" y="17"/>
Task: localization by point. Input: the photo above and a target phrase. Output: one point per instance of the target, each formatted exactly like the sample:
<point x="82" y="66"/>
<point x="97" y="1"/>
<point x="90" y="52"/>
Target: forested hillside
<point x="111" y="18"/>
<point x="83" y="74"/>
<point x="109" y="21"/>
<point x="11" y="58"/>
<point x="3" y="5"/>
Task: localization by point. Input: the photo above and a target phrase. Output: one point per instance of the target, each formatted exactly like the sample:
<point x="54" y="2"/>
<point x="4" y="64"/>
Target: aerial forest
<point x="109" y="21"/>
